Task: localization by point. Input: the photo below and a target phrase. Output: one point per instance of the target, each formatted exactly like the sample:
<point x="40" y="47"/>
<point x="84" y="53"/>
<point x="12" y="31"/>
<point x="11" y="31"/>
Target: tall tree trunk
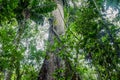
<point x="52" y="62"/>
<point x="8" y="75"/>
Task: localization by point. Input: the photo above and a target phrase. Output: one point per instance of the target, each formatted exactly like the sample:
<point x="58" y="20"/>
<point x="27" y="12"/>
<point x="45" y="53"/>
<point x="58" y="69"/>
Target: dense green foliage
<point x="90" y="46"/>
<point x="16" y="17"/>
<point x="94" y="37"/>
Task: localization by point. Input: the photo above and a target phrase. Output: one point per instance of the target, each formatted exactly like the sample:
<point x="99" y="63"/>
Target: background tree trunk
<point x="52" y="62"/>
<point x="8" y="75"/>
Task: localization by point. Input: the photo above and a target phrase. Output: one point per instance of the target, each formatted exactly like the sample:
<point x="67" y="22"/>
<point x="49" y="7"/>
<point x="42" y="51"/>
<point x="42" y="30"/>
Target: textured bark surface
<point x="58" y="15"/>
<point x="8" y="75"/>
<point x="52" y="62"/>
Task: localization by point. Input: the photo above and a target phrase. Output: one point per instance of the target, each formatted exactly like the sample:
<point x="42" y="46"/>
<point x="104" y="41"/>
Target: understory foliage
<point x="19" y="20"/>
<point x="90" y="46"/>
<point x="92" y="37"/>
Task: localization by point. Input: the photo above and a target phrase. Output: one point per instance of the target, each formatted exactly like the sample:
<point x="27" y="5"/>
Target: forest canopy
<point x="59" y="40"/>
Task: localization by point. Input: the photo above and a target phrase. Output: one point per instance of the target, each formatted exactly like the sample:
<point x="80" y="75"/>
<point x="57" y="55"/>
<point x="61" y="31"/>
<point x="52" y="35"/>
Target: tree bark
<point x="52" y="62"/>
<point x="8" y="75"/>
